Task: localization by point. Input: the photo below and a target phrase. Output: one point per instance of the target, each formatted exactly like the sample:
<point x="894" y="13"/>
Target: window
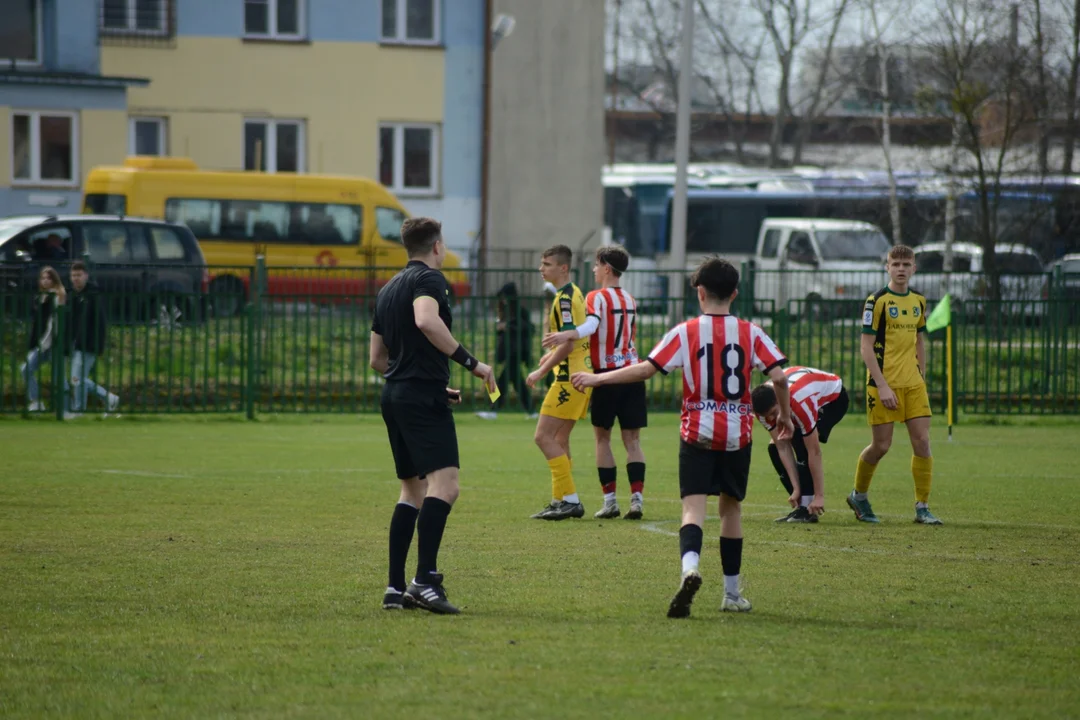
<point x="52" y="244"/>
<point x="410" y="21"/>
<point x="274" y="19"/>
<point x="408" y="158"/>
<point x="148" y="17"/>
<point x="21" y="31"/>
<point x="167" y="244"/>
<point x="146" y="136"/>
<point x="274" y="145"/>
<point x="772" y="242"/>
<point x="44" y="148"/>
<point x="388" y="223"/>
<point x="800" y="249"/>
<point x="110" y="244"/>
<point x="266" y="222"/>
<point x="104" y="204"/>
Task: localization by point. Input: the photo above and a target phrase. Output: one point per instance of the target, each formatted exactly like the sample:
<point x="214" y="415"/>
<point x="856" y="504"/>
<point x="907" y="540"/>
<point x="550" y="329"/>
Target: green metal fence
<point x="304" y="348"/>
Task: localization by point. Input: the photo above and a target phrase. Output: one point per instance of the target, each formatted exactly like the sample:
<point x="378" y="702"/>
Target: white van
<point x="801" y="262"/>
<point x="1023" y="279"/>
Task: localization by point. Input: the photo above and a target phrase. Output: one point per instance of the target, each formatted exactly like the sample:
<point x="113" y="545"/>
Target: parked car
<point x="1023" y="280"/>
<point x="148" y="269"/>
<point x="810" y="261"/>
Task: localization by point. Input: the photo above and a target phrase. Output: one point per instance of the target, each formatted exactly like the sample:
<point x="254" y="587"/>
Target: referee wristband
<point x="462" y="357"/>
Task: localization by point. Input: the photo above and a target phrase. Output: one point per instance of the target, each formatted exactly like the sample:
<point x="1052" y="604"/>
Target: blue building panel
<point x="463" y="23"/>
<point x="210" y="18"/>
<point x="463" y="121"/>
<point x="62" y="97"/>
<point x="71" y="36"/>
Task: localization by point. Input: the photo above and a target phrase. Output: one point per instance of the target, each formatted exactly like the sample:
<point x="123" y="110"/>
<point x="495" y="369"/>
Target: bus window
<point x="203" y="217"/>
<point x="325" y="224"/>
<point x="388" y="223"/>
<point x="254" y="220"/>
<point x="102" y="204"/>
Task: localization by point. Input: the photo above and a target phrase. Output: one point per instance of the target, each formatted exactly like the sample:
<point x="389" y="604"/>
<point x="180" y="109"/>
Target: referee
<point x="410" y="341"/>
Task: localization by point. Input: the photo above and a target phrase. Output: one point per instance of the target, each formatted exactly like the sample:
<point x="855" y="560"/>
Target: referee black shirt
<point x="412" y="356"/>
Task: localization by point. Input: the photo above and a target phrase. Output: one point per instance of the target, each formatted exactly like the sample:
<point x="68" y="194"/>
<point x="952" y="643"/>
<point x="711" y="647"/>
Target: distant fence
<point x="301" y="345"/>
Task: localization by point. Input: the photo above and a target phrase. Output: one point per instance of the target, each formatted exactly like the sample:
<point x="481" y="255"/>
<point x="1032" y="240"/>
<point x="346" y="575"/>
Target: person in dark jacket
<point x="513" y="348"/>
<point x="87" y="338"/>
<point x="43" y="332"/>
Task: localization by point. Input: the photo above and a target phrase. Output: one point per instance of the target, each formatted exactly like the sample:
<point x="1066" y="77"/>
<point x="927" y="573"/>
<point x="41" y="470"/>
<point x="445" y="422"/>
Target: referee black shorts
<point x="713" y="472"/>
<point x="625" y="403"/>
<point x="420" y="425"/>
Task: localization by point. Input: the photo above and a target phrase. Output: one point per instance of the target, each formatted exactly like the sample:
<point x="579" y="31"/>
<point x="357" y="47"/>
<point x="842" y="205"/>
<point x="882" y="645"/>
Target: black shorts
<point x="623" y="402"/>
<point x="713" y="472"/>
<point x="420" y="425"/>
<point x="830" y="415"/>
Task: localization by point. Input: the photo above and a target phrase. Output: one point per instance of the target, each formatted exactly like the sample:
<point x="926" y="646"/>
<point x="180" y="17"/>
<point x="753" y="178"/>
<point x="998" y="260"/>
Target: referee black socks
<point x="429" y="529"/>
<point x="402" y="525"/>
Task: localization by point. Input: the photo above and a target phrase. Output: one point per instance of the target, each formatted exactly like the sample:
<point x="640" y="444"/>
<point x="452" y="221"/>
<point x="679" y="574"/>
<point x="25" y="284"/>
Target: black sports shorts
<point x="713" y="472"/>
<point x="626" y="403"/>
<point x="420" y="425"/>
<point x="831" y="414"/>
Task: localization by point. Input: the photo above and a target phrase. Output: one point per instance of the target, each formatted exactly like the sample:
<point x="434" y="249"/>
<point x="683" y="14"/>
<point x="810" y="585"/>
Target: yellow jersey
<point x="567" y="312"/>
<point x="895" y="320"/>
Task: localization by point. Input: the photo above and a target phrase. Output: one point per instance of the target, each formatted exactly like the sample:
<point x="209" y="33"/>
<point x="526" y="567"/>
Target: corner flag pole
<point x="942" y="318"/>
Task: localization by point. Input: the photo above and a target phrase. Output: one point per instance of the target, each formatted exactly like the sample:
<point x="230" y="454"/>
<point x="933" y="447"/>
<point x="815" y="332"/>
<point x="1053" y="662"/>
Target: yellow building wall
<point x="5" y="146"/>
<point x="207" y="86"/>
<point x="103" y="139"/>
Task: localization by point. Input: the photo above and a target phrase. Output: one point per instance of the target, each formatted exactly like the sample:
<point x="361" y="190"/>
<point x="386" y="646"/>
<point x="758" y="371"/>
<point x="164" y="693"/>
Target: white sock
<point x="731" y="585"/>
<point x="805" y="500"/>
<point x="860" y="496"/>
<point x="609" y="498"/>
<point x="636" y="496"/>
<point x="921" y="506"/>
<point x="571" y="498"/>
<point x="690" y="562"/>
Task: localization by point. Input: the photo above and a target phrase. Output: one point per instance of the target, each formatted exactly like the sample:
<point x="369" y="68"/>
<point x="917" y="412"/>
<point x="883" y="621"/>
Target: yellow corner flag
<point x="940" y="317"/>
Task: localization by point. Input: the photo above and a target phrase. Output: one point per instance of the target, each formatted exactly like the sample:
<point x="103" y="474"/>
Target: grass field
<point x="219" y="568"/>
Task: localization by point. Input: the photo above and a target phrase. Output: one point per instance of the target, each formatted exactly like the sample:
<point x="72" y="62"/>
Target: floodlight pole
<point x="682" y="157"/>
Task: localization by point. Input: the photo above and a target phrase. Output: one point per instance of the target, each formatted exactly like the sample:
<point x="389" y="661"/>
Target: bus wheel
<point x="227" y="294"/>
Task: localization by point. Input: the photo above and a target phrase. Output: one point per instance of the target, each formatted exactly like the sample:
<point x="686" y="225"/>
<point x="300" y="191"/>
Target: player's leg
<point x="633" y="416"/>
<point x="606" y="471"/>
<point x="403" y="520"/>
<point x="881" y="429"/>
<point x="696" y="467"/>
<point x="922" y="469"/>
<point x="734" y="475"/>
<point x="553" y="438"/>
<point x="778" y="466"/>
<point x="806" y="483"/>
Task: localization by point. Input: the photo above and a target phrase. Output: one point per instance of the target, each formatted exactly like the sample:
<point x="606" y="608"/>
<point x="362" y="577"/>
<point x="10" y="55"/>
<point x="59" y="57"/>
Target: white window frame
<point x="35" y="179"/>
<point x="399" y="37"/>
<point x="132" y="26"/>
<point x="271" y="142"/>
<point x="399" y="129"/>
<point x="271" y="23"/>
<point x="39" y="40"/>
<point x="162" y="134"/>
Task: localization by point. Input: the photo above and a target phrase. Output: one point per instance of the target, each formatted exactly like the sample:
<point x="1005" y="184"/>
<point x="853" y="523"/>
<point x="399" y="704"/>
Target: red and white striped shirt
<point x="811" y="390"/>
<point x="613" y="346"/>
<point x="717" y="354"/>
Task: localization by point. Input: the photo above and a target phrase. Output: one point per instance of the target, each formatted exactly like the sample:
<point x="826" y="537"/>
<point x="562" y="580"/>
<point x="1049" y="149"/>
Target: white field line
<point x="143" y="473"/>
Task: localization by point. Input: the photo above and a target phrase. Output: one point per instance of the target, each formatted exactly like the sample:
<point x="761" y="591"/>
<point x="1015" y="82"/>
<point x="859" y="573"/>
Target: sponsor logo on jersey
<point x="868" y="317"/>
<point x="629" y="357"/>
<point x="567" y="317"/>
<point x="721" y="406"/>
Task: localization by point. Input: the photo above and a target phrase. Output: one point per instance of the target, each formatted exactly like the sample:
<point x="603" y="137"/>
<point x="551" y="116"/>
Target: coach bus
<point x="311" y="229"/>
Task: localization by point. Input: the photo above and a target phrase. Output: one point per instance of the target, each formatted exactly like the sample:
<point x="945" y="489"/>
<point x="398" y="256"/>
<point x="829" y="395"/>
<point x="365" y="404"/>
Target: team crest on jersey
<point x="894" y="312"/>
<point x="915" y="312"/>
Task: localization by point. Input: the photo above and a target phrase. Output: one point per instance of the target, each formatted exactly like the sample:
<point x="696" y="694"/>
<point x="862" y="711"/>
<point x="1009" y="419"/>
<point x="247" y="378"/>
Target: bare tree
<point x="1072" y="10"/>
<point x="828" y="85"/>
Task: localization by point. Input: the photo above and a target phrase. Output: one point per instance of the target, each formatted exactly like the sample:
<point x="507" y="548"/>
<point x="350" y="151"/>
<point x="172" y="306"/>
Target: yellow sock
<point x="864" y="473"/>
<point x="922" y="469"/>
<point x="562" y="480"/>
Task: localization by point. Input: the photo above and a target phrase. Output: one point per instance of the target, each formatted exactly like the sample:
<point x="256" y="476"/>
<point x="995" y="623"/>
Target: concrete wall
<point x="547" y="135"/>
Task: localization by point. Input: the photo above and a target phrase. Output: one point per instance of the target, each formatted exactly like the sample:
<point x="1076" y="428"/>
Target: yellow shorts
<point x="911" y="403"/>
<point x="564" y="402"/>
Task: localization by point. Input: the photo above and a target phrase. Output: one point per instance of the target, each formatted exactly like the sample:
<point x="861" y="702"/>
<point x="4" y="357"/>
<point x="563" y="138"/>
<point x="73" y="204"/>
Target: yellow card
<point x="495" y="395"/>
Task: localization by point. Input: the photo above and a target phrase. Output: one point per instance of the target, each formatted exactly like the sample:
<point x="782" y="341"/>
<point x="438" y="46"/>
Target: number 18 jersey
<point x="716" y="353"/>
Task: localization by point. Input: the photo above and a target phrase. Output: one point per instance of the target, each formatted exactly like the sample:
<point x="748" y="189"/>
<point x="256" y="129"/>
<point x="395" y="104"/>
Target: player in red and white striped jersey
<point x="716" y="352"/>
<point x="818" y="402"/>
<point x="611" y="320"/>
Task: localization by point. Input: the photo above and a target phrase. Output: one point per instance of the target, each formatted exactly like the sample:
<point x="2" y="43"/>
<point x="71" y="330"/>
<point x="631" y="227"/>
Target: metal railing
<point x="254" y="347"/>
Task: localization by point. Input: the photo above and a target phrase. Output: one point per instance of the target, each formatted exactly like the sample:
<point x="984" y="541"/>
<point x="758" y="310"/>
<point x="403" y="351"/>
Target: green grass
<point x="216" y="568"/>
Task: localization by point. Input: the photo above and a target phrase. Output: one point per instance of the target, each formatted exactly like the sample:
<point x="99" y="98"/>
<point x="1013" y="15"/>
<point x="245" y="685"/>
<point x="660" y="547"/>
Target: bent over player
<point x="410" y="342"/>
<point x="563" y="405"/>
<point x="818" y="402"/>
<point x="894" y="350"/>
<point x="611" y="322"/>
<point x="716" y="352"/>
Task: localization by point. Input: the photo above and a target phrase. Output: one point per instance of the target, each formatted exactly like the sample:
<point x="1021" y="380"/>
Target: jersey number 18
<point x="732" y="384"/>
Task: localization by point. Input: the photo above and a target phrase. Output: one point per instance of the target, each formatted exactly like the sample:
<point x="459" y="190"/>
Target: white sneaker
<point x="487" y="415"/>
<point x="735" y="604"/>
<point x="72" y="415"/>
<point x="113" y="402"/>
<point x="36" y="407"/>
<point x="533" y="416"/>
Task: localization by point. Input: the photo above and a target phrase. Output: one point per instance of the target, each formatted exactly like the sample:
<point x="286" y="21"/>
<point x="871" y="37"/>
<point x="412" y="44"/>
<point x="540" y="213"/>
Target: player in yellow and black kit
<point x="564" y="405"/>
<point x="894" y="350"/>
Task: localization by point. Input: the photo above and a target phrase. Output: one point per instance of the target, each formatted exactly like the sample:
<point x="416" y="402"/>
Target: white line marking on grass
<point x="653" y="527"/>
<point x="143" y="473"/>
